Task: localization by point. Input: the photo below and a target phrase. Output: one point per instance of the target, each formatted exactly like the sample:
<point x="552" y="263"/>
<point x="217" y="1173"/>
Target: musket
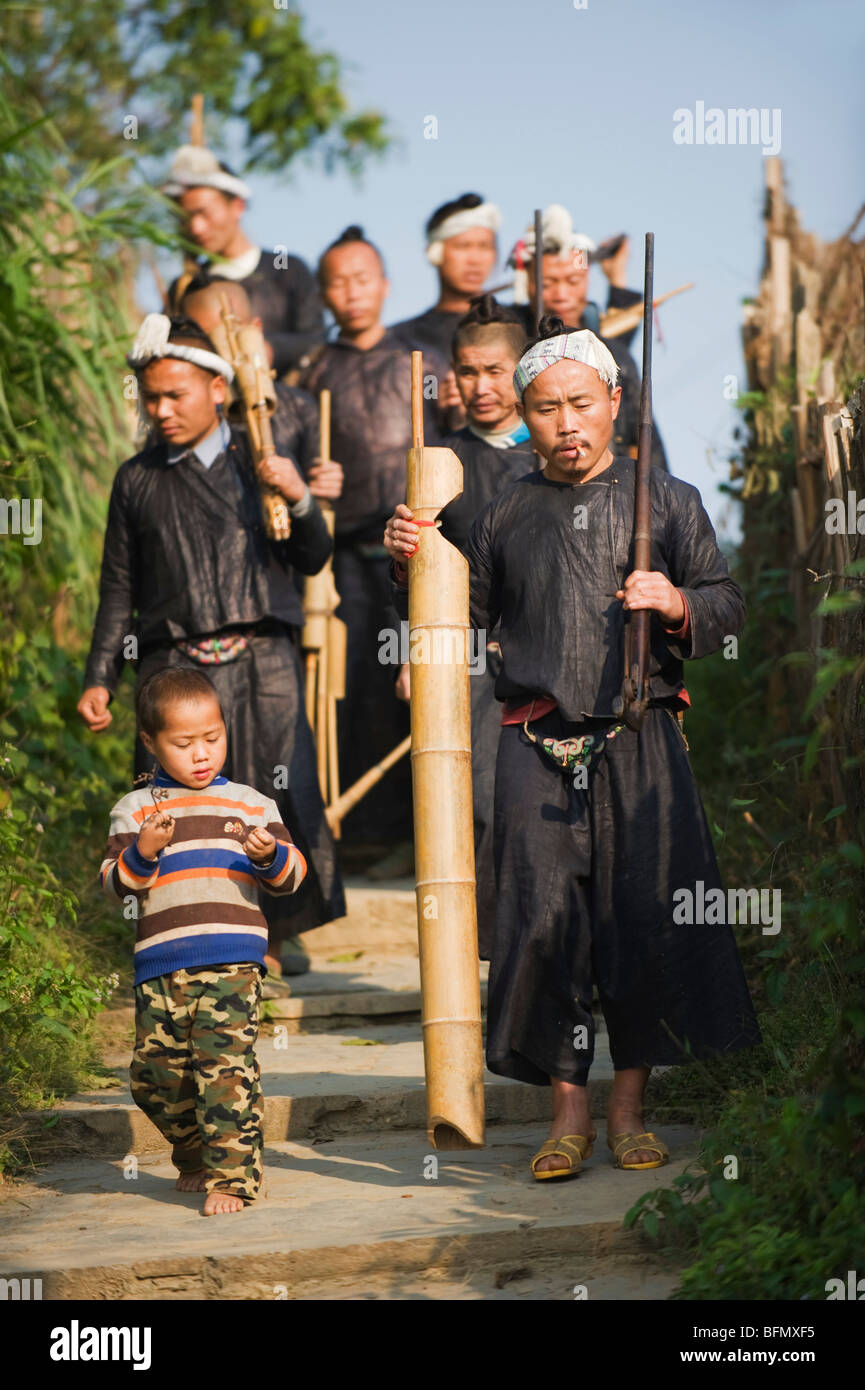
<point x="441" y="753"/>
<point x="539" y="268"/>
<point x="255" y="394"/>
<point x="635" y="686"/>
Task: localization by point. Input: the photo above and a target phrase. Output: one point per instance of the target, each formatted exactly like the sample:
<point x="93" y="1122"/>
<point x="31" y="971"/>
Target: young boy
<point x="195" y="865"/>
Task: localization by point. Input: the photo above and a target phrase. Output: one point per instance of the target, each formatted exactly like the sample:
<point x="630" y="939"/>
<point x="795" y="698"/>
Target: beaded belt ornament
<point x="570" y="753"/>
<point x="216" y="651"/>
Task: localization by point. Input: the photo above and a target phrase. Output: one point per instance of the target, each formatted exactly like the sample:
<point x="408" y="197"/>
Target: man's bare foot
<point x="220" y="1203"/>
<point x="192" y="1182"/>
<point x="570" y="1116"/>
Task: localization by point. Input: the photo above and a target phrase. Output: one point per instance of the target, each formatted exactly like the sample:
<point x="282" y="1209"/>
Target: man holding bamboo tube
<point x="598" y="829"/>
<point x="367" y="370"/>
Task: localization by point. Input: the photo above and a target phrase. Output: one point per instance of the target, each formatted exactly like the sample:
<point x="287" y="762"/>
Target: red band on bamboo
<point x="417" y="522"/>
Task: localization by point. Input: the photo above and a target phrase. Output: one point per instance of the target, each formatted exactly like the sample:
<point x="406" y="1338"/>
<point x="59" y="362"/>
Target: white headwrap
<point x="152" y="342"/>
<point x="581" y="346"/>
<point x="559" y="239"/>
<point x="485" y="215"/>
<point x="196" y="167"/>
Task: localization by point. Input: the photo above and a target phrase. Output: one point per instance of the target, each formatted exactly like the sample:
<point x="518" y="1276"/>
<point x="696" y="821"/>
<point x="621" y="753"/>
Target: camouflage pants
<point x="195" y="1074"/>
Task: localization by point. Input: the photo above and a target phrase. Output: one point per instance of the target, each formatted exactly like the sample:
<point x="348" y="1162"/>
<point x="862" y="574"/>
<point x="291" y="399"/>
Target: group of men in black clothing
<point x="189" y="573"/>
<point x="366" y="367"/>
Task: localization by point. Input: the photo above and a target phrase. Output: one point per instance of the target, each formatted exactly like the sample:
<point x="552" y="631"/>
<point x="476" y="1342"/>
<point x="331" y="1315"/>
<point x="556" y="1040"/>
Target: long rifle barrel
<point x="635" y="688"/>
<point x="539" y="267"/>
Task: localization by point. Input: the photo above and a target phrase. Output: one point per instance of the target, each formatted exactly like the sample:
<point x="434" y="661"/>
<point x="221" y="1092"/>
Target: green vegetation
<point x="117" y="76"/>
<point x="88" y="87"/>
<point x="63" y="426"/>
<point x="776" y="1205"/>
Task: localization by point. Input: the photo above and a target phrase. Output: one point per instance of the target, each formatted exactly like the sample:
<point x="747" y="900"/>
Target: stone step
<point x="371" y="1216"/>
<point x="315" y="1086"/>
<point x="378" y="914"/>
<point x="335" y="993"/>
<point x="338" y="993"/>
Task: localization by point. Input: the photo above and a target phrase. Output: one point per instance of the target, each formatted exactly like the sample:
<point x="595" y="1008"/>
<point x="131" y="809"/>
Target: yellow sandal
<point x="622" y="1144"/>
<point x="574" y="1147"/>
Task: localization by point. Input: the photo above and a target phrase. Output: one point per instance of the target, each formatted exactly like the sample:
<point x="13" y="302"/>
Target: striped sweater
<point x="198" y="901"/>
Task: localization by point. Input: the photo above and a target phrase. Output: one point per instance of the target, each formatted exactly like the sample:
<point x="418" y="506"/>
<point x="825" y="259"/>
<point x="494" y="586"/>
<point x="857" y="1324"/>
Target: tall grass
<point x="66" y="268"/>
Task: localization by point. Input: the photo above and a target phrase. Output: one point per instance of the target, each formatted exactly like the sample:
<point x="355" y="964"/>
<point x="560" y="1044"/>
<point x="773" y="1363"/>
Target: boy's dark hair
<point x="486" y="313"/>
<point x="461" y="204"/>
<point x="351" y="234"/>
<point x="162" y="687"/>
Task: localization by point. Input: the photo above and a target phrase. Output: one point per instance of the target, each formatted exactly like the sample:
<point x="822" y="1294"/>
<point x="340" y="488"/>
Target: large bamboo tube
<point x="442" y="790"/>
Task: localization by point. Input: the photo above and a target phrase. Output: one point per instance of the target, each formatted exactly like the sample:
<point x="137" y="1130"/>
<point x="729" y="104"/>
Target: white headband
<point x="581" y="346"/>
<point x="485" y="215"/>
<point x="559" y="238"/>
<point x="151" y="342"/>
<point x="196" y="167"/>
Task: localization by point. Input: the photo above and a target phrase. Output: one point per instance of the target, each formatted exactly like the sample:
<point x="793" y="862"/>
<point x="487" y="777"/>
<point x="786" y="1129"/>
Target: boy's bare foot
<point x="220" y="1203"/>
<point x="192" y="1182"/>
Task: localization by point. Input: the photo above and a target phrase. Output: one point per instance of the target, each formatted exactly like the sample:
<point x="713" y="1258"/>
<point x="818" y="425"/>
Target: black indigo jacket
<point x="545" y="562"/>
<point x="371" y="427"/>
<point x="186" y="555"/>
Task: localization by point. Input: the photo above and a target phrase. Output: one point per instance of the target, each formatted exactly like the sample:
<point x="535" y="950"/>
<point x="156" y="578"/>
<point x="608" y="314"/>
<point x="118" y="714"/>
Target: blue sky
<point x="544" y="102"/>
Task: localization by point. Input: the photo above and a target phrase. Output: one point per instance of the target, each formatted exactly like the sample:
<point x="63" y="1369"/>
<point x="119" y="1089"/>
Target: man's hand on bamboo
<point x="400" y="535"/>
<point x="325" y="479"/>
<point x="282" y="474"/>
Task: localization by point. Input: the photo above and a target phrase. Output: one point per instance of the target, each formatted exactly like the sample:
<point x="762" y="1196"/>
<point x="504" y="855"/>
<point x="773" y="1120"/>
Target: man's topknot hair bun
<point x="352" y="236"/>
<point x="352" y="233"/>
<point x="487" y="312"/>
<point x="550" y="326"/>
<point x="461" y="204"/>
<point x="485" y="308"/>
